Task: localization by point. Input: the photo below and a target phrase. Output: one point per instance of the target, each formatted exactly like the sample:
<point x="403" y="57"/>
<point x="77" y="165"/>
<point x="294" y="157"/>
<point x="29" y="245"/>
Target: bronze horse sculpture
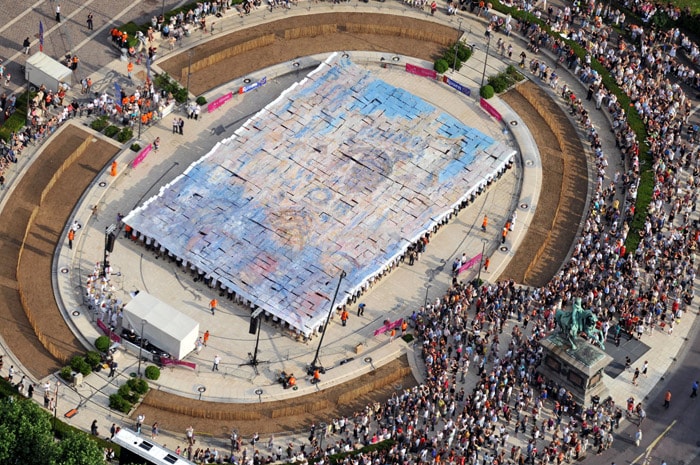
<point x="579" y="321"/>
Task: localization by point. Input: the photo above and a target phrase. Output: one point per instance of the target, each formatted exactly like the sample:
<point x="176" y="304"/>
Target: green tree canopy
<point x="26" y="438"/>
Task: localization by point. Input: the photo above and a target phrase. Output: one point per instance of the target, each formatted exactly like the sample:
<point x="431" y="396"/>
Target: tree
<point x="78" y="449"/>
<point x="26" y="437"/>
<point x="25" y="433"/>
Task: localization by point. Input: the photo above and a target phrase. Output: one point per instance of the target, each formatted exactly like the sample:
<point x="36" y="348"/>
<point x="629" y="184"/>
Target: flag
<point x="118" y="93"/>
<point x="41" y="36"/>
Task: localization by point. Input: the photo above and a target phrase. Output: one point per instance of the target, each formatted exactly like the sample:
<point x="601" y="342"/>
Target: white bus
<point x="139" y="451"/>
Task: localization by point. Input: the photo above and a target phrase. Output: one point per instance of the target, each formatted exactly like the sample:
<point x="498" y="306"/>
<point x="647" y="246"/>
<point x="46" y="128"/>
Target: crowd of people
<point x="445" y="420"/>
<point x="479" y="342"/>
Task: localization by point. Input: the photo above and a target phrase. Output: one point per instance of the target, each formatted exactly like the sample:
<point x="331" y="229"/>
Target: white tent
<point x="165" y="327"/>
<point x="42" y="69"/>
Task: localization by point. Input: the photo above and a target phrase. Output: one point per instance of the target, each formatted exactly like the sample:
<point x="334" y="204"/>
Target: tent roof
<point x="161" y="315"/>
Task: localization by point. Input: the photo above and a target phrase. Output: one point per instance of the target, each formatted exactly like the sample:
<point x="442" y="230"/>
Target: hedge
<point x="486" y="92"/>
<point x="125" y="135"/>
<point x="441" y="66"/>
<point x="17" y="120"/>
<point x="111" y="131"/>
<point x="152" y="372"/>
<point x="102" y="343"/>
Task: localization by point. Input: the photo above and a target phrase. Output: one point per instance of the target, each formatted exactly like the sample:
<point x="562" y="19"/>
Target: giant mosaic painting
<point x="341" y="173"/>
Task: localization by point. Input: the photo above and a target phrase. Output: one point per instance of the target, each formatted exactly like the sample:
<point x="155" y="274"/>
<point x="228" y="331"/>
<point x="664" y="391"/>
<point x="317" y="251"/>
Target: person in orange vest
<point x="484" y="223"/>
<point x="392" y="335"/>
<point x="316" y="377"/>
<point x="129" y="69"/>
<point x="404" y="327"/>
<point x="71" y="236"/>
<point x="344" y="317"/>
<point x="487" y="262"/>
<point x="212" y="306"/>
<point x="504" y="233"/>
<point x="290" y="382"/>
<point x="205" y="338"/>
<point x="113" y="171"/>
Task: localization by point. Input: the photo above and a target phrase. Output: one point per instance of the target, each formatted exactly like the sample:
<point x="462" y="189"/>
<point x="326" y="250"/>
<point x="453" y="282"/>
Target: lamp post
<point x="454" y="65"/>
<point x="55" y="405"/>
<point x="143" y="323"/>
<point x="109" y="247"/>
<point x="481" y="259"/>
<point x="425" y="302"/>
<point x="189" y="72"/>
<point x="162" y="10"/>
<point x="313" y="366"/>
<point x="486" y="59"/>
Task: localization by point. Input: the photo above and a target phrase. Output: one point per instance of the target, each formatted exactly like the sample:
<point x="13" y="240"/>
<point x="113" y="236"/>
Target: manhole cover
<point x="503" y="248"/>
<point x="246" y="80"/>
<point x="295" y="64"/>
<point x="64" y="270"/>
<point x="75" y="313"/>
<point x="201" y="389"/>
<point x="368" y="359"/>
<point x="513" y="123"/>
<point x="396" y="58"/>
<point x="528" y="162"/>
<point x="524" y="206"/>
<point x="259" y="392"/>
<point x="102" y="184"/>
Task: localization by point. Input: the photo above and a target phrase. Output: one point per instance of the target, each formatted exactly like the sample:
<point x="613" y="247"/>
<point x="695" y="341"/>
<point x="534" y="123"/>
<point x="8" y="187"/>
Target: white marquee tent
<point x="165" y="327"/>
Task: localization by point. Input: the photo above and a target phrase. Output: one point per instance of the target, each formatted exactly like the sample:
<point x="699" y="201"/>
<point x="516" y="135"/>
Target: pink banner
<point x="388" y="327"/>
<point x="469" y="263"/>
<point x="220" y="101"/>
<point x="490" y="109"/>
<point x="180" y="363"/>
<point x="142" y="155"/>
<point x="413" y="69"/>
<point x="113" y="336"/>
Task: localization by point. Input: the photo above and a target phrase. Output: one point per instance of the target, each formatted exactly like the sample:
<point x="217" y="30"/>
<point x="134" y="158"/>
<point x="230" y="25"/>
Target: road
<point x="671" y="434"/>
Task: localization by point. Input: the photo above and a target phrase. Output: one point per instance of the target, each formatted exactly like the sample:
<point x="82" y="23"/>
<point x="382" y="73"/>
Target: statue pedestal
<point x="578" y="370"/>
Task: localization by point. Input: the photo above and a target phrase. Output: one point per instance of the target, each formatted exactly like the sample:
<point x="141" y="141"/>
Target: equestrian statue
<point x="578" y="321"/>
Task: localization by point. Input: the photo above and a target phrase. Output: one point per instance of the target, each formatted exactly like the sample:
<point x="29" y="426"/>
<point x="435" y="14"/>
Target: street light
<point x="454" y="67"/>
<point x="143" y="322"/>
<point x="110" y="237"/>
<point x="55" y="405"/>
<point x="314" y="365"/>
<point x="488" y="45"/>
<point x="162" y="10"/>
<point x="481" y="260"/>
